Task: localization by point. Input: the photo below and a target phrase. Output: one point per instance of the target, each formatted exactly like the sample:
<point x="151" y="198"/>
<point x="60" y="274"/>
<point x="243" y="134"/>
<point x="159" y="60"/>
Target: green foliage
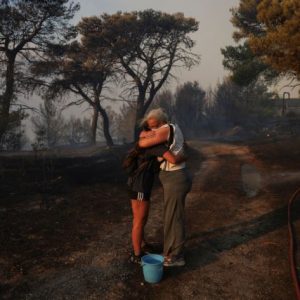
<point x="244" y="18"/>
<point x="246" y="67"/>
<point x="271" y="28"/>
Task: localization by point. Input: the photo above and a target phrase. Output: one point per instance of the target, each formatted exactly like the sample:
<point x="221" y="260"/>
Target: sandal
<point x="173" y="261"/>
<point x="135" y="259"/>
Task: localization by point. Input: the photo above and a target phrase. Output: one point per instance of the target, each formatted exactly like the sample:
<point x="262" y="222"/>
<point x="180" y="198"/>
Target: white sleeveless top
<point x="176" y="147"/>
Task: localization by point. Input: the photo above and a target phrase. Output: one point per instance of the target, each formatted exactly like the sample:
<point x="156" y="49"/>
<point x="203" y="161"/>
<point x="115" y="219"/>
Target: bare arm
<point x="174" y="159"/>
<point x="160" y="136"/>
<point x="147" y="134"/>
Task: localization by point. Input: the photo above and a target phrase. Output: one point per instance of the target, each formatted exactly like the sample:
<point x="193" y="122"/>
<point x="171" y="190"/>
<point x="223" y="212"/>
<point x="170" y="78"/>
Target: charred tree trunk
<point x="107" y="136"/>
<point x="140" y="112"/>
<point x="105" y="119"/>
<point x="142" y="107"/>
<point x="94" y="126"/>
<point x="7" y="97"/>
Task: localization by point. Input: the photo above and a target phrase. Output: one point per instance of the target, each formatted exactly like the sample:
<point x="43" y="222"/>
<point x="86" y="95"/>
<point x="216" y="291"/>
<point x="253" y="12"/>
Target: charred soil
<point x="65" y="225"/>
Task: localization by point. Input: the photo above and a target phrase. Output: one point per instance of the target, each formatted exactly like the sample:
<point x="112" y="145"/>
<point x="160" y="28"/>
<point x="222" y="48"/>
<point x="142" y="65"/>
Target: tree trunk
<point x="140" y="112"/>
<point x="98" y="109"/>
<point x="7" y="96"/>
<point x="94" y="125"/>
<point x="141" y="109"/>
<point x="107" y="136"/>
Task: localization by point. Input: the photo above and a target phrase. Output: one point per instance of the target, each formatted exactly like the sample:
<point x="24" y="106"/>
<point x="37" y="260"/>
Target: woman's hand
<point x="158" y="136"/>
<point x="174" y="159"/>
<point x="147" y="134"/>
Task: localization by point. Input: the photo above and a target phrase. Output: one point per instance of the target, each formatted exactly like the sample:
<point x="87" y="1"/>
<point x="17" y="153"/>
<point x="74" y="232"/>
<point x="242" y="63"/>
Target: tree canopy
<point x="280" y="46"/>
<point x="272" y="29"/>
<point x="245" y="66"/>
<point x="148" y="44"/>
<point x="83" y="71"/>
<point x="26" y="28"/>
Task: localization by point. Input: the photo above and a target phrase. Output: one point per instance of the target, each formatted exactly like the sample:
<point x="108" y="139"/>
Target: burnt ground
<point x="65" y="225"/>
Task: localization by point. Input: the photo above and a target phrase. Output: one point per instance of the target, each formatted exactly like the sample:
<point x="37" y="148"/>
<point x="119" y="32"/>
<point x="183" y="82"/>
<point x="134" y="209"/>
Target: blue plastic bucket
<point x="152" y="267"/>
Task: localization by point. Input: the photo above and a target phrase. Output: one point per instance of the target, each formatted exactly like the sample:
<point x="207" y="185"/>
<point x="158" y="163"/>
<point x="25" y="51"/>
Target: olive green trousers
<point x="176" y="185"/>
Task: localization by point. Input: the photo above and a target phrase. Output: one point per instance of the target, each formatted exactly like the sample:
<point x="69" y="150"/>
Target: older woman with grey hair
<point x="175" y="180"/>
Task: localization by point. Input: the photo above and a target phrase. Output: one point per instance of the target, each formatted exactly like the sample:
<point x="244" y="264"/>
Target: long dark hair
<point x="132" y="156"/>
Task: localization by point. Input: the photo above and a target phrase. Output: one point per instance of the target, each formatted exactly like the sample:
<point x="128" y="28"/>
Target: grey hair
<point x="157" y="114"/>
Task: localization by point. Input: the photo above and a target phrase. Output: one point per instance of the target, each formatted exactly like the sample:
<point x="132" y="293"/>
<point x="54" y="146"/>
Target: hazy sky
<point x="215" y="32"/>
<point x="215" y="29"/>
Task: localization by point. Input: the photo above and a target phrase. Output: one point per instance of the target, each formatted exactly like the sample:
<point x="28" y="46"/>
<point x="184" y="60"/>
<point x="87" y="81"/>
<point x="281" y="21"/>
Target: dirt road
<point x="236" y="224"/>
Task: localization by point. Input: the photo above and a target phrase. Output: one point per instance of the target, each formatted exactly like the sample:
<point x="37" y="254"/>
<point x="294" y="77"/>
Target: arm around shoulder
<point x="174" y="159"/>
<point x="160" y="136"/>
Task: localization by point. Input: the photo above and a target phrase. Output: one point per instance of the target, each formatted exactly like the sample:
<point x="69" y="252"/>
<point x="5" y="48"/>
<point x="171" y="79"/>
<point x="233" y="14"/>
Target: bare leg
<point x="140" y="210"/>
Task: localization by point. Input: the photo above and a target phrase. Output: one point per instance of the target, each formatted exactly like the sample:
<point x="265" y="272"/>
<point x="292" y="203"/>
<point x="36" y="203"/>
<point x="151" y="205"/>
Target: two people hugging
<point x="160" y="149"/>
